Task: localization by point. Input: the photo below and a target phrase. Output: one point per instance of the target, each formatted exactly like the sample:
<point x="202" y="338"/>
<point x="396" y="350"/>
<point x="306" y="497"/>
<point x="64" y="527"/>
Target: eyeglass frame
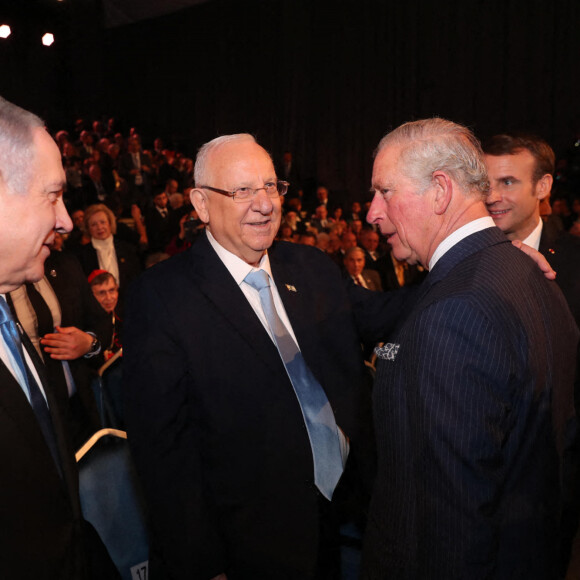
<point x="232" y="194"/>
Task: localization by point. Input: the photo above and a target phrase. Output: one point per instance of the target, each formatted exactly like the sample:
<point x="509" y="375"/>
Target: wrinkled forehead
<point x="242" y="156"/>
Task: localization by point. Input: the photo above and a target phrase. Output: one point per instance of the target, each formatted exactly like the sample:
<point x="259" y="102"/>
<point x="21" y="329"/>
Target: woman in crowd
<point x="105" y="251"/>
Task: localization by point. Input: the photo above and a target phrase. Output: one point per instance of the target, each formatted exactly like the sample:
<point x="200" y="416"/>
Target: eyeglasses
<point x="241" y="194"/>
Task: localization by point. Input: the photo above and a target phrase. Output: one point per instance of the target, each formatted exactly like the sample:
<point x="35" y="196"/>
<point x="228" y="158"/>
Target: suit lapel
<point x="299" y="303"/>
<point x="548" y="239"/>
<point x="14" y="403"/>
<point x="220" y="289"/>
<point x="57" y="414"/>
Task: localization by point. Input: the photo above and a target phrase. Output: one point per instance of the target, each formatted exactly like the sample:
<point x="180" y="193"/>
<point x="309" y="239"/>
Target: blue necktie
<point x="317" y="412"/>
<point x="31" y="388"/>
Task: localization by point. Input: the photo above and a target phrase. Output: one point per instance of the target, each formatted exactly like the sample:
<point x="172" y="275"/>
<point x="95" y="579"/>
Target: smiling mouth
<point x="497" y="212"/>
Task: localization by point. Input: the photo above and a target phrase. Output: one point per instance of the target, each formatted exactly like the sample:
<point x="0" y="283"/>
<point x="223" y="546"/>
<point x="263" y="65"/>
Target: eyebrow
<point x="59" y="185"/>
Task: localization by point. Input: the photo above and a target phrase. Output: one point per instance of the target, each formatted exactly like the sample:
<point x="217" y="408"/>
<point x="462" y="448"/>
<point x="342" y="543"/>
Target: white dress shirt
<point x="533" y="240"/>
<point x="471" y="228"/>
<point x="14" y="368"/>
<point x="239" y="270"/>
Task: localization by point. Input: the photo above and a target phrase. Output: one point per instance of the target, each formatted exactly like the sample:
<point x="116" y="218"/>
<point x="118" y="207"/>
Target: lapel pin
<point x="291" y="288"/>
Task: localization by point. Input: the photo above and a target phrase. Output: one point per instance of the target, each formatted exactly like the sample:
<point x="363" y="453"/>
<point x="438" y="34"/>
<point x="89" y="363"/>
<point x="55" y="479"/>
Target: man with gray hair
<point x="472" y="400"/>
<point x="242" y="403"/>
<point x="41" y="526"/>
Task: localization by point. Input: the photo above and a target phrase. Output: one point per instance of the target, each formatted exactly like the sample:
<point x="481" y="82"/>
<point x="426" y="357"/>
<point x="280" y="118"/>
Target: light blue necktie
<point x="316" y="410"/>
<point x="14" y="345"/>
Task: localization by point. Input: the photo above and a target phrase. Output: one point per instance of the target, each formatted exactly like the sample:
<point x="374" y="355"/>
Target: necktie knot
<point x="258" y="279"/>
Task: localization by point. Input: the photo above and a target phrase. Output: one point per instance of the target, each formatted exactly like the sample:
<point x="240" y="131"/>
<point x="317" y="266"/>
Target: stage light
<point x="48" y="39"/>
<point x="5" y="31"/>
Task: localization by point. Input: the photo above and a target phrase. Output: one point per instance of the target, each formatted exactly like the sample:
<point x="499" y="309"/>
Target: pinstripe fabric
<point x="470" y="420"/>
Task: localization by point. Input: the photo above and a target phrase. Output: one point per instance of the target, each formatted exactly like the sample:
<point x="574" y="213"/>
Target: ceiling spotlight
<point x="5" y="31"/>
<point x="48" y="39"/>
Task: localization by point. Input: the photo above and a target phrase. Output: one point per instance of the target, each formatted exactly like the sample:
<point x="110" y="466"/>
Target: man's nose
<point x="63" y="222"/>
<point x="262" y="201"/>
<point x="493" y="195"/>
<point x="377" y="206"/>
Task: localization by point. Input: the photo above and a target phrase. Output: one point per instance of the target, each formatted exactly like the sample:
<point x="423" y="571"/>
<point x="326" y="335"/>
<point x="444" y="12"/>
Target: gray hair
<point x="200" y="170"/>
<point x="16" y="145"/>
<point x="436" y="144"/>
<point x="354" y="249"/>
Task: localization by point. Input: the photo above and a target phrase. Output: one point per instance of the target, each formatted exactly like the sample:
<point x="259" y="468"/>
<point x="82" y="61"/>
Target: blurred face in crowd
<point x="355" y="262"/>
<point x="322" y="194"/>
<point x="95" y="172"/>
<point x="514" y="197"/>
<point x="356" y="226"/>
<point x="308" y="240"/>
<point x="321" y="212"/>
<point x="134" y="146"/>
<point x="29" y="219"/>
<point x="348" y="240"/>
<point x="57" y="243"/>
<point x="86" y="138"/>
<point x="370" y="241"/>
<point x="246" y="229"/>
<point x="99" y="226"/>
<point x="171" y="187"/>
<point x="106" y="294"/>
<point x="333" y="243"/>
<point x="78" y="218"/>
<point x="160" y="200"/>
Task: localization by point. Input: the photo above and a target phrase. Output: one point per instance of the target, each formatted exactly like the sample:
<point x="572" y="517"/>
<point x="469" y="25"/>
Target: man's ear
<point x="200" y="203"/>
<point x="544" y="186"/>
<point x="443" y="192"/>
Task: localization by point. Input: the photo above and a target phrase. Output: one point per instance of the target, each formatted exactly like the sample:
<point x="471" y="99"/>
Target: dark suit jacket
<point x="371" y="278"/>
<point x="79" y="308"/>
<point x="129" y="265"/>
<point x="40" y="531"/>
<point x="389" y="281"/>
<point x="160" y="229"/>
<point x="215" y="426"/>
<point x="471" y="415"/>
<point x="562" y="250"/>
<point x="126" y="165"/>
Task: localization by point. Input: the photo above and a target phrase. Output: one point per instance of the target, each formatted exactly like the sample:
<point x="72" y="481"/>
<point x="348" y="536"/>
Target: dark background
<point x="324" y="79"/>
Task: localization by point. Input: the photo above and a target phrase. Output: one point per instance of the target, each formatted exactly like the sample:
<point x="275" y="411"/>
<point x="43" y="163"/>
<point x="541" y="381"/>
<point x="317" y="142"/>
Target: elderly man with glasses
<point x="242" y="402"/>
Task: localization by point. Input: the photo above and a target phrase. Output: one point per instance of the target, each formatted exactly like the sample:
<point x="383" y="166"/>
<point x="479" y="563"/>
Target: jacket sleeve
<point x="185" y="539"/>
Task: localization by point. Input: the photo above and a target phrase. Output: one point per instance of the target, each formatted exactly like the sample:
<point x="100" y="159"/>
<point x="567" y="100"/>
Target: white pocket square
<point x="388" y="351"/>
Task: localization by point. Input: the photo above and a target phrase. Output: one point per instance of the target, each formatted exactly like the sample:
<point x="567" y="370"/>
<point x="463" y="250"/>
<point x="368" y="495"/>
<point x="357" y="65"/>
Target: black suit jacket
<point x="79" y="308"/>
<point x="160" y="229"/>
<point x="215" y="426"/>
<point x="40" y="531"/>
<point x="562" y="250"/>
<point x="472" y="401"/>
<point x="129" y="265"/>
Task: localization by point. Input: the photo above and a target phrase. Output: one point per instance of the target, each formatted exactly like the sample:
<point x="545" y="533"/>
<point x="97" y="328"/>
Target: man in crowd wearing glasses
<point x="242" y="402"/>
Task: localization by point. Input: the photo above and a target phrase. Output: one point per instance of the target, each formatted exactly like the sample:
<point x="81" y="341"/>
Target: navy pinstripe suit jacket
<point x="471" y="417"/>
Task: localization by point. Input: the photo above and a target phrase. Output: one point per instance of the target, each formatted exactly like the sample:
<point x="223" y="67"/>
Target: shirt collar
<point x="235" y="265"/>
<point x="458" y="235"/>
<point x="533" y="240"/>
